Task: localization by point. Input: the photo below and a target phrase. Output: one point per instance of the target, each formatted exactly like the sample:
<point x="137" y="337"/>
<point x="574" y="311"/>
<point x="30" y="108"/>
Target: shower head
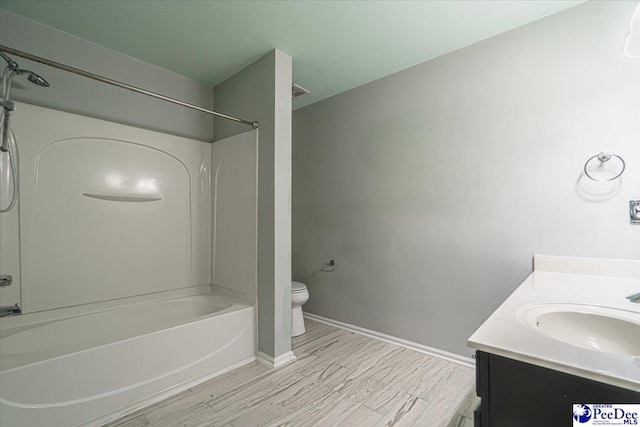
<point x="15" y="68"/>
<point x="12" y="69"/>
<point x="35" y="78"/>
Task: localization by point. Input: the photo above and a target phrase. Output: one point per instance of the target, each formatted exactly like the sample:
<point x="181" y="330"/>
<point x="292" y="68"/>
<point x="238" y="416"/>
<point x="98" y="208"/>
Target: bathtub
<point x="91" y="368"/>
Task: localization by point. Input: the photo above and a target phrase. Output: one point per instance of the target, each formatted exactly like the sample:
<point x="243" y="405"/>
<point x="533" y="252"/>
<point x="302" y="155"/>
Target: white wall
<point x="262" y="92"/>
<point x="106" y="210"/>
<point x="80" y="95"/>
<point x="432" y="188"/>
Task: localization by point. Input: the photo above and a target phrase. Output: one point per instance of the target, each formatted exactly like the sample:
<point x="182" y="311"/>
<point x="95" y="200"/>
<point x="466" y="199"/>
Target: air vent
<point x="297" y="91"/>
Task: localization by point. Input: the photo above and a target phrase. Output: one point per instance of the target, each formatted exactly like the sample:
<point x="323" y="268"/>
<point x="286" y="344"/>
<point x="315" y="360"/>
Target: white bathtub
<point x="90" y="369"/>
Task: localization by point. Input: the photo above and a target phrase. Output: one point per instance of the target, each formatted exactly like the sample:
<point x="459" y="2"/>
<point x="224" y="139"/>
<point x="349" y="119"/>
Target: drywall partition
<point x="262" y="92"/>
<point x="80" y="95"/>
<point x="432" y="188"/>
<point x="107" y="210"/>
<point x="234" y="210"/>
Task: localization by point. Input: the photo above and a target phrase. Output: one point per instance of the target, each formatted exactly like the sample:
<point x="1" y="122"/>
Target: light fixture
<point x="632" y="44"/>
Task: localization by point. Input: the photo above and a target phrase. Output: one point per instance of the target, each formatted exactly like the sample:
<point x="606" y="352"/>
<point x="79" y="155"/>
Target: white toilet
<point x="299" y="295"/>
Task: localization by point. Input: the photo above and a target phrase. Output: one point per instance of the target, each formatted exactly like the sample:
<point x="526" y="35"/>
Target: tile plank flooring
<point x="339" y="378"/>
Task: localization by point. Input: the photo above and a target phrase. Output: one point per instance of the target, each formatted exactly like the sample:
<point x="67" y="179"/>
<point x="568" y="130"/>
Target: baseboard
<point x="421" y="348"/>
<point x="140" y="404"/>
<point x="272" y="362"/>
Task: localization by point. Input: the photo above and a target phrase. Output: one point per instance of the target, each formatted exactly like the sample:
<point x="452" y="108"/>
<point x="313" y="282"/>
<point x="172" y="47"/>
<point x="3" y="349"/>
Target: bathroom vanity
<point x="567" y="335"/>
<point x="515" y="393"/>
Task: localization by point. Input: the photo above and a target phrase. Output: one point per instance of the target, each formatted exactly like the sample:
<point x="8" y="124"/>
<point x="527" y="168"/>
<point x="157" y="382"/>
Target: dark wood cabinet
<point x="515" y="393"/>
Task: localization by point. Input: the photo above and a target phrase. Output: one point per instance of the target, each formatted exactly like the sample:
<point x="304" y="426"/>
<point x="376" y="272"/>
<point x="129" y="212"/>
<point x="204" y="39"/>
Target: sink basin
<point x="587" y="326"/>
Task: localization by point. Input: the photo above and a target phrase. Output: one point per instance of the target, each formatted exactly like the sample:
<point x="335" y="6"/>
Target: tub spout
<point x="10" y="310"/>
<point x="634" y="298"/>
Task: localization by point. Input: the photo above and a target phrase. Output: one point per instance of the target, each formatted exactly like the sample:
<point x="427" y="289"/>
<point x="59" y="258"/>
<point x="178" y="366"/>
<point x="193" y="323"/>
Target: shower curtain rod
<point x="106" y="80"/>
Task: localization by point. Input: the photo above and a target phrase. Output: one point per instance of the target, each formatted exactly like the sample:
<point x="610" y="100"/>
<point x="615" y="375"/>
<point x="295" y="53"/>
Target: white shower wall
<point x="110" y="211"/>
<point x="106" y="211"/>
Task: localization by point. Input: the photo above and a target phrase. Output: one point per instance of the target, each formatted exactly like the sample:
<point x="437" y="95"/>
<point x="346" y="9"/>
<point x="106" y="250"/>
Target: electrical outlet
<point x="634" y="211"/>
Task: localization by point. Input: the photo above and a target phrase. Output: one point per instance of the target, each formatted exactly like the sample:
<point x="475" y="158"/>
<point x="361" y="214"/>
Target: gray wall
<point x="80" y="95"/>
<point x="262" y="92"/>
<point x="433" y="187"/>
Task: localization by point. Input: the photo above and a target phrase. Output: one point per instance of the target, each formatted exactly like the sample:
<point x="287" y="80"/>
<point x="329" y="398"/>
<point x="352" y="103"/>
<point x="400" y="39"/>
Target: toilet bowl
<point x="299" y="295"/>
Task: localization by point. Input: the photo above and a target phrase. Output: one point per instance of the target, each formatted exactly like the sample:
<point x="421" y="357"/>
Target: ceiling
<point x="335" y="45"/>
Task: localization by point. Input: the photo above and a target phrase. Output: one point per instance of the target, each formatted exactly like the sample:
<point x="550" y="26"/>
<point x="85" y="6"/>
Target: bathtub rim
<point x="36" y="318"/>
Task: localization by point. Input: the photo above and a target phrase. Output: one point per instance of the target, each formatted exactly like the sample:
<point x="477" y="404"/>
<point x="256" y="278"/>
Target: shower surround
<point x="125" y="301"/>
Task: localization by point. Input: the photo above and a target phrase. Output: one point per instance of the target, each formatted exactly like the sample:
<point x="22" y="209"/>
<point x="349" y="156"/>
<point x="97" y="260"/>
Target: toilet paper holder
<point x="328" y="267"/>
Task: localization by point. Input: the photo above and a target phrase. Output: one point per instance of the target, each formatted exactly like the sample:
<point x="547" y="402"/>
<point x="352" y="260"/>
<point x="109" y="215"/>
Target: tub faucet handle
<point x="5" y="280"/>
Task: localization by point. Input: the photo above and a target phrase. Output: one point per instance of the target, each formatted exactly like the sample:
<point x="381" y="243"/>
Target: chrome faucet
<point x="634" y="298"/>
<point x="10" y="310"/>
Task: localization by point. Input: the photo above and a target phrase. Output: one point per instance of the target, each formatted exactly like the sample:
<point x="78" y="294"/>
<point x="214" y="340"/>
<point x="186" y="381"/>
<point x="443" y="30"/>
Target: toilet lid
<point x="298" y="287"/>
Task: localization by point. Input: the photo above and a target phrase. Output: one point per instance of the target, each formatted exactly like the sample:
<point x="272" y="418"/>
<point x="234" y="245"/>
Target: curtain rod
<point x="106" y="80"/>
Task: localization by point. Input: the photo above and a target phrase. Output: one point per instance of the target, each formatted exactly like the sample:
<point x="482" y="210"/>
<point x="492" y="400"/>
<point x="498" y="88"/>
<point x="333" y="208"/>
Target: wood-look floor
<point x="338" y="379"/>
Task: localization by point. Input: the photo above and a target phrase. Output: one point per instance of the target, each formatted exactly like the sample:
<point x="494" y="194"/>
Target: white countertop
<point x="606" y="285"/>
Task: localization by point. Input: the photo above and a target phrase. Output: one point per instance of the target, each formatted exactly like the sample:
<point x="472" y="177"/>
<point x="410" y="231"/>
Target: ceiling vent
<point x="297" y="91"/>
